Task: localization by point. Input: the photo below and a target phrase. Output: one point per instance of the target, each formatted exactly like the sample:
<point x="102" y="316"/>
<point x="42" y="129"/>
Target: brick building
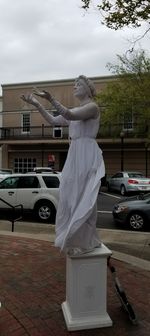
<point x="28" y="141"/>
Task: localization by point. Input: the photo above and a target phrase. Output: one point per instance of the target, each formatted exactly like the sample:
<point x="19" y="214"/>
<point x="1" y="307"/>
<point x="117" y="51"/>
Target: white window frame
<point x="23" y="125"/>
<point x="24" y="164"/>
<point x="57" y="132"/>
<point x="128" y="123"/>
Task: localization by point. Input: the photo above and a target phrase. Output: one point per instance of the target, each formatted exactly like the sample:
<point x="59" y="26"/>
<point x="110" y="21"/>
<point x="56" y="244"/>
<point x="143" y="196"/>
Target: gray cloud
<point x="52" y="39"/>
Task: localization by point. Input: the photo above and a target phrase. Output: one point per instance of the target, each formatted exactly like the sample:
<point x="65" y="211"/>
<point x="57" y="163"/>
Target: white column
<point x="86" y="290"/>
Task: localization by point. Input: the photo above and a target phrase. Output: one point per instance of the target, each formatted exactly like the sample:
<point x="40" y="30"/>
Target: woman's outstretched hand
<point x="29" y="98"/>
<point x="43" y="94"/>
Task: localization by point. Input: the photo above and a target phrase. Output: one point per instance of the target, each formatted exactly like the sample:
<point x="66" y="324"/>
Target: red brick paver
<point x="32" y="288"/>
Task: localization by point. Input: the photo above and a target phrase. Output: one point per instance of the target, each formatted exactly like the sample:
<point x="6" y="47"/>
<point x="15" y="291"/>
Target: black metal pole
<point x="146" y="160"/>
<point x="42" y="155"/>
<point x="122" y="153"/>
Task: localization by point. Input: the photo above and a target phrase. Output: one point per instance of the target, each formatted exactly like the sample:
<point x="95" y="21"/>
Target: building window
<point x="128" y="121"/>
<point x="26" y="122"/>
<point x="57" y="132"/>
<point x="24" y="165"/>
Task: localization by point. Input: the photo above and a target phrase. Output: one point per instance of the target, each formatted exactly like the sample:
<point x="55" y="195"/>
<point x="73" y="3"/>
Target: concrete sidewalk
<point x="128" y="246"/>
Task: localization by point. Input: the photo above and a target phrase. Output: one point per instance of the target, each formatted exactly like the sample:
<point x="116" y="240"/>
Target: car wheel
<point x="136" y="221"/>
<point x="45" y="211"/>
<point x="122" y="190"/>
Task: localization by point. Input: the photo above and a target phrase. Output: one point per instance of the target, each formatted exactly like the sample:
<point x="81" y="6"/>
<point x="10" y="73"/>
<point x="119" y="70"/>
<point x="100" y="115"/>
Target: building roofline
<point x="55" y="81"/>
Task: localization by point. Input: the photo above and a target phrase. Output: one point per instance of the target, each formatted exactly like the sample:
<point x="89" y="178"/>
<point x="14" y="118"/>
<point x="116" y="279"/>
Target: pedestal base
<point x="84" y="322"/>
<point x="86" y="279"/>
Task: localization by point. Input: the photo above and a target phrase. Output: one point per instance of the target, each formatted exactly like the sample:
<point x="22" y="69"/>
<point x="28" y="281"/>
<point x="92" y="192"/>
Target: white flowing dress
<point x="80" y="180"/>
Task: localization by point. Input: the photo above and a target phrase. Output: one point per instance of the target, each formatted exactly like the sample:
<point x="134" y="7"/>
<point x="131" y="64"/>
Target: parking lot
<point x="105" y="203"/>
<point x="104" y="208"/>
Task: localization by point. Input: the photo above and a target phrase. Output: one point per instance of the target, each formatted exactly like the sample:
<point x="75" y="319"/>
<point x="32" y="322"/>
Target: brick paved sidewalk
<point x="32" y="288"/>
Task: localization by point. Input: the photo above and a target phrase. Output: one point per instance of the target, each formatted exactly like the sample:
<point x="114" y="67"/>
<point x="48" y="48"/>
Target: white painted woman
<point x="84" y="167"/>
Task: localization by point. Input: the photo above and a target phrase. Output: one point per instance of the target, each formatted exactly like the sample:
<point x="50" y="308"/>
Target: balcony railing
<point x="34" y="132"/>
<point x="48" y="132"/>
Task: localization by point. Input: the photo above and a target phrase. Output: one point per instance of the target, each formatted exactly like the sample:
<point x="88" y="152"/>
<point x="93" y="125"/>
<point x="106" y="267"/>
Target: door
<point x="116" y="181"/>
<point x="8" y="192"/>
<point x="28" y="189"/>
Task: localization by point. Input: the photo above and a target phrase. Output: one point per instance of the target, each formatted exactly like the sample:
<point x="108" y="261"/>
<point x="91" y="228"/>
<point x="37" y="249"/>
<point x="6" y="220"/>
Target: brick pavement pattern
<point x="32" y="288"/>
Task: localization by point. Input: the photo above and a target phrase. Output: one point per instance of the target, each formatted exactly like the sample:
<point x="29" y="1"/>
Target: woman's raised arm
<point x="54" y="121"/>
<point x="87" y="111"/>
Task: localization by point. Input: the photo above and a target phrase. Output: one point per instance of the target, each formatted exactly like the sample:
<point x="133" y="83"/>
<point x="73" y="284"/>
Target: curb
<point x="134" y="261"/>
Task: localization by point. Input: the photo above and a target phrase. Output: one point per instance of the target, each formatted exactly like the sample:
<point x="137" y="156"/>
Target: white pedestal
<point x="86" y="287"/>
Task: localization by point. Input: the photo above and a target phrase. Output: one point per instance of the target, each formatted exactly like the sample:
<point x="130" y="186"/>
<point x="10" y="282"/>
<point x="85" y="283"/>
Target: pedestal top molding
<point x="101" y="251"/>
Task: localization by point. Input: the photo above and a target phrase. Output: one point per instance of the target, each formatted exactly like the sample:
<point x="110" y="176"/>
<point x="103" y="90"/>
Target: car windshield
<point x="136" y="175"/>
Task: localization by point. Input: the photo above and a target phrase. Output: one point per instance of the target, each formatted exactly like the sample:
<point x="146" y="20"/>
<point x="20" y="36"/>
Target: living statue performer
<point x="84" y="167"/>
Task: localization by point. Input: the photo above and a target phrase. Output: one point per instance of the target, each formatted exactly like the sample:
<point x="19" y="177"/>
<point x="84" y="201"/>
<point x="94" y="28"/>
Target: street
<point x="105" y="205"/>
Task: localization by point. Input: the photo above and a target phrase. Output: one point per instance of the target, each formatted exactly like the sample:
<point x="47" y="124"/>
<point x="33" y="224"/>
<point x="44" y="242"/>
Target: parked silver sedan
<point x="128" y="181"/>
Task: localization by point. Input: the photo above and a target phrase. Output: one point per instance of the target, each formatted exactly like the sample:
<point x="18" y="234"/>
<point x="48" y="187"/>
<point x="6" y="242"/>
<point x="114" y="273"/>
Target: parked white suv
<point x="36" y="192"/>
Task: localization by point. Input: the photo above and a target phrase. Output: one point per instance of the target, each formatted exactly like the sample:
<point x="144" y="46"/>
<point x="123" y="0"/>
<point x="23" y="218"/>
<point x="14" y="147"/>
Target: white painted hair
<point x="89" y="85"/>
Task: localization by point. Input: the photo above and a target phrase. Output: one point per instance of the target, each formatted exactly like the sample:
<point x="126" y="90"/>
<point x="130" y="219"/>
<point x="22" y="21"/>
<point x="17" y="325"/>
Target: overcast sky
<point x="56" y="39"/>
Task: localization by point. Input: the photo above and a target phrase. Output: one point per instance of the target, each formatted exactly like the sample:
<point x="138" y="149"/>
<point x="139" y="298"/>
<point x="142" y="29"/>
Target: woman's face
<point x="80" y="89"/>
